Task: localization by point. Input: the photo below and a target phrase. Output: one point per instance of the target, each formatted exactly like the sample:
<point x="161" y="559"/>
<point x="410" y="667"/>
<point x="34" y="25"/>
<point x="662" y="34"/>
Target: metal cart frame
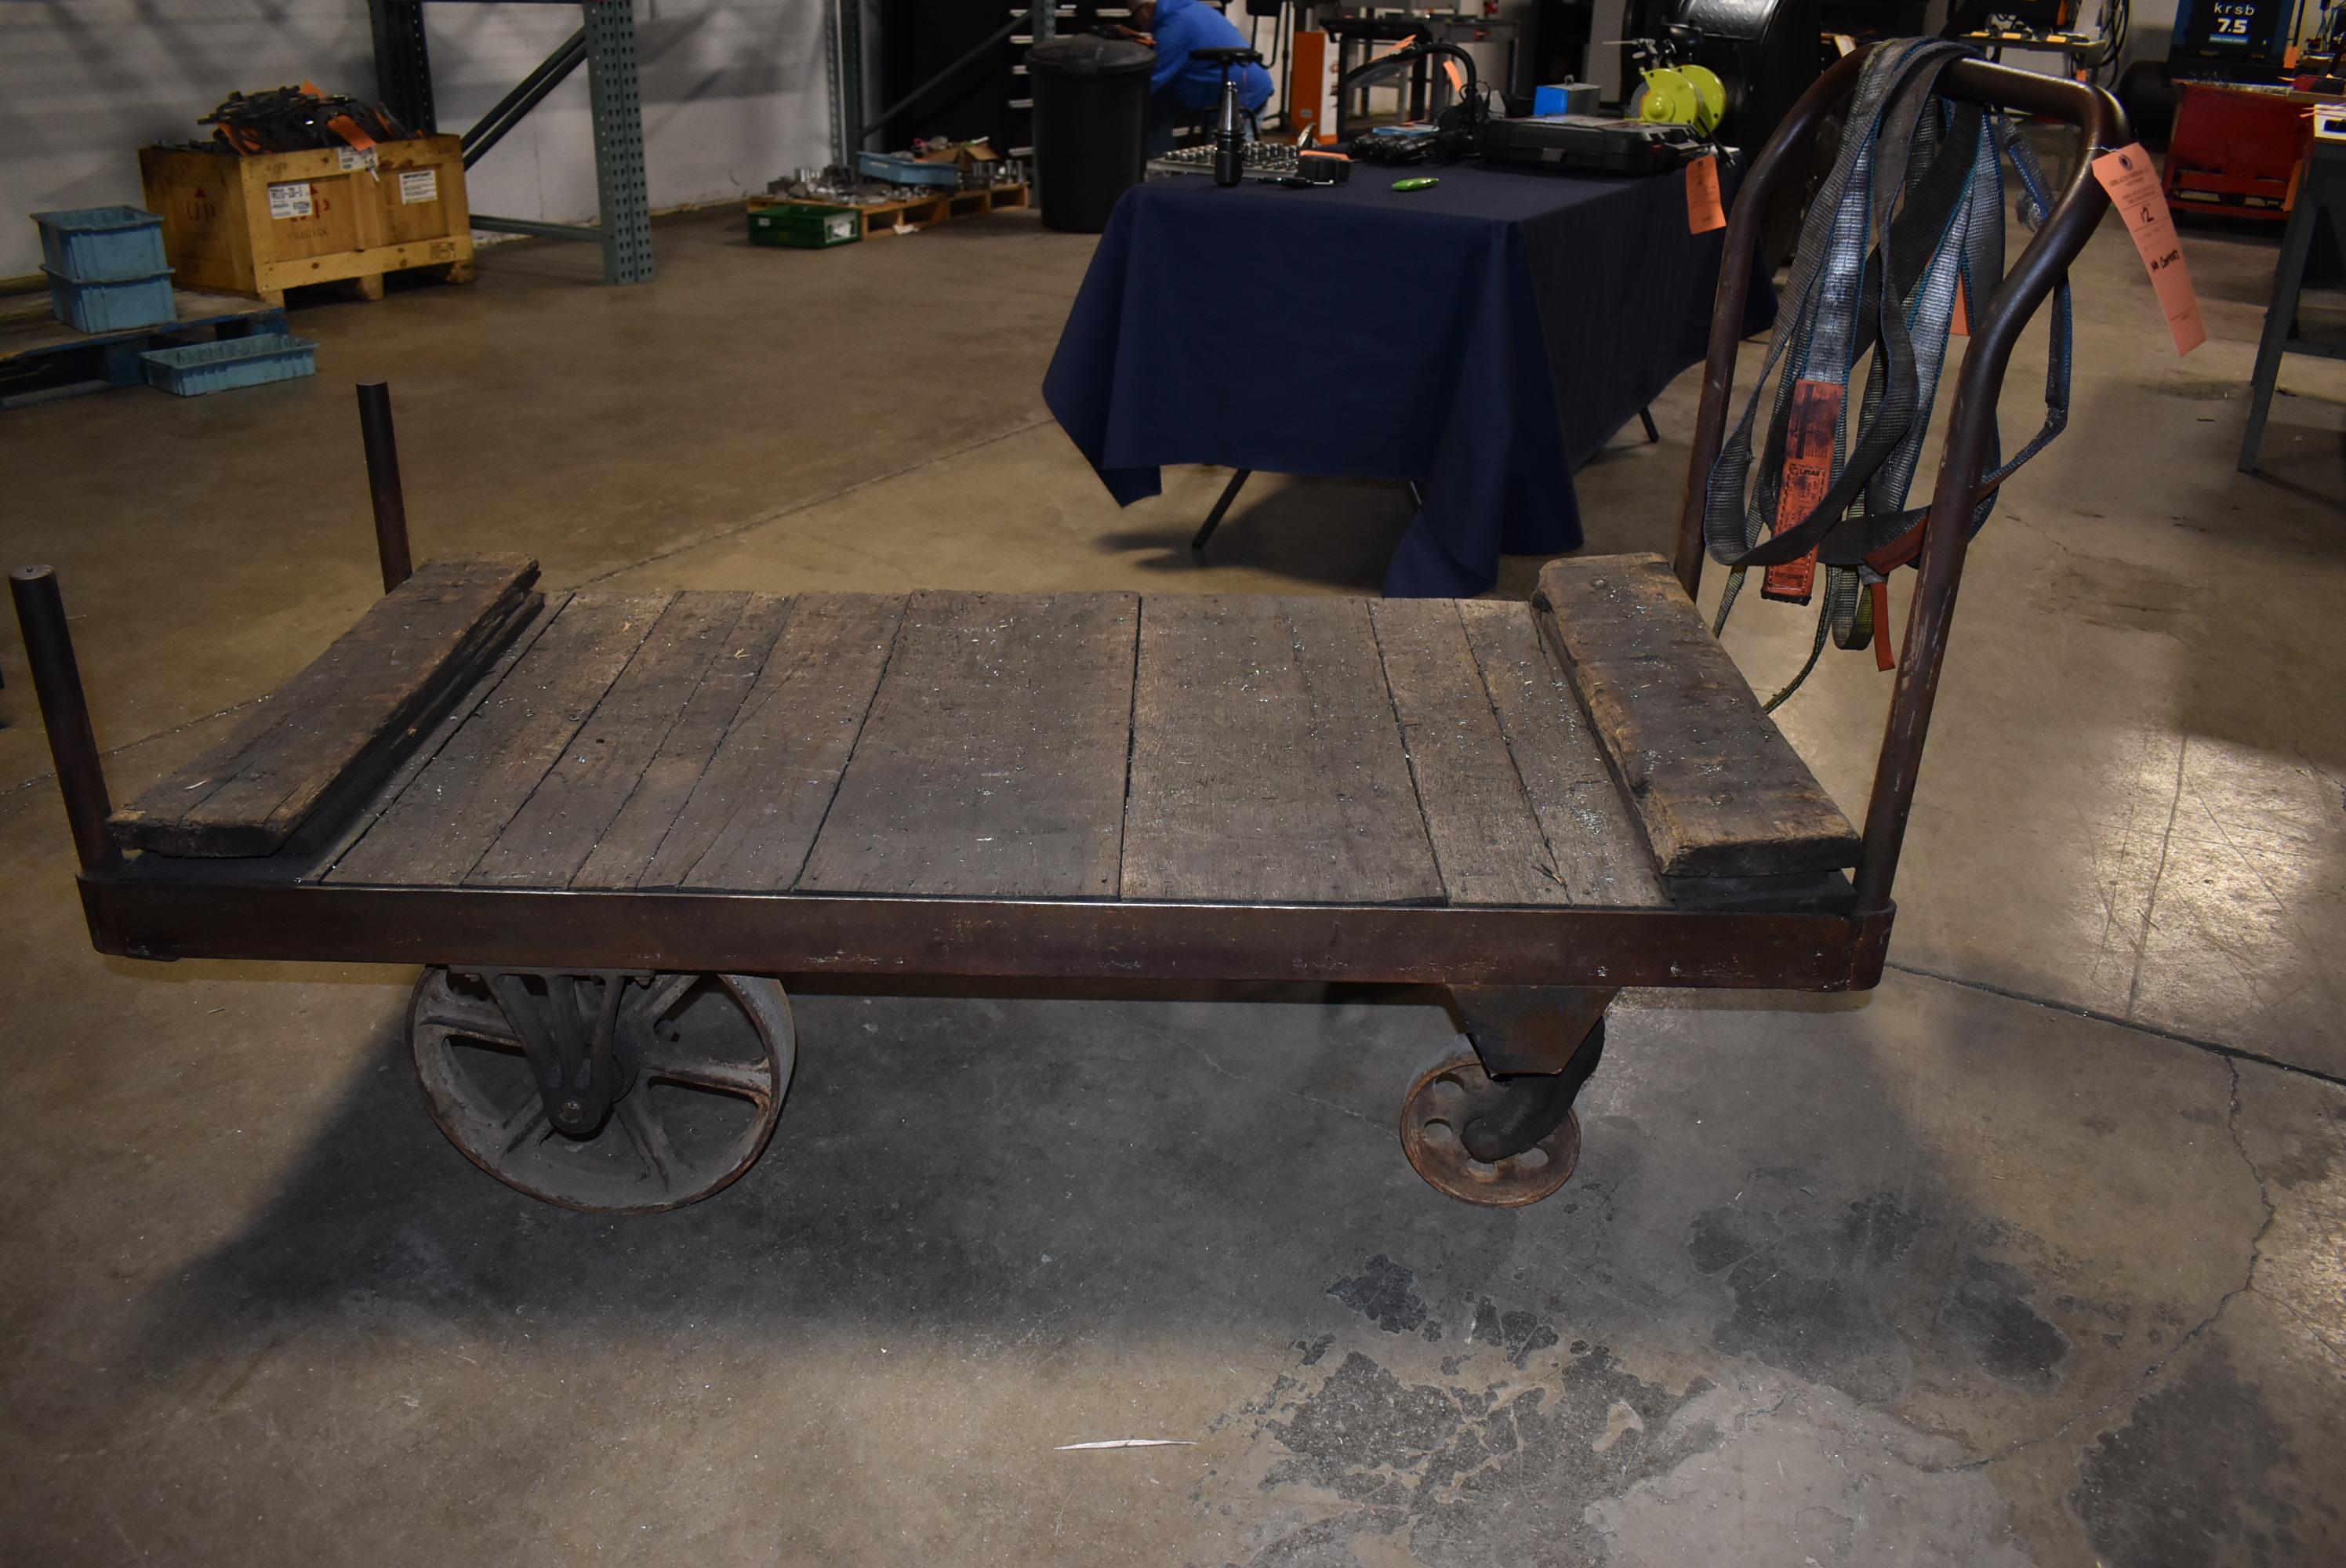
<point x="1530" y="985"/>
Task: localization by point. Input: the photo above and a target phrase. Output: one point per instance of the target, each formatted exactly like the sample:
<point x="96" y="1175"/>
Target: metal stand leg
<point x="1214" y="518"/>
<point x="1653" y="432"/>
<point x="2280" y="311"/>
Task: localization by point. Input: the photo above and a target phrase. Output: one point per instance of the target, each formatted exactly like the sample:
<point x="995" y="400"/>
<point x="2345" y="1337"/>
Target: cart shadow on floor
<point x="1003" y="1167"/>
<point x="1769" y="1197"/>
<point x="933" y="1148"/>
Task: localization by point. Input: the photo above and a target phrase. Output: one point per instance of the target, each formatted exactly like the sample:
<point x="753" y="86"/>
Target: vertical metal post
<point x="1045" y="19"/>
<point x="619" y="186"/>
<point x="382" y="482"/>
<point x="843" y="43"/>
<point x="72" y="744"/>
<point x="402" y="64"/>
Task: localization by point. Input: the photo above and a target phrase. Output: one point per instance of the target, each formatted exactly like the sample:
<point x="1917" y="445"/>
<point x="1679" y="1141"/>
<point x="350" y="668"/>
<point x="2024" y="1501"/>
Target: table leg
<point x="2280" y="315"/>
<point x="1214" y="518"/>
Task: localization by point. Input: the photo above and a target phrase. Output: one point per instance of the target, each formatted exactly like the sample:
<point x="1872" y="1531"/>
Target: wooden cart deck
<point x="1180" y="749"/>
<point x="1079" y="784"/>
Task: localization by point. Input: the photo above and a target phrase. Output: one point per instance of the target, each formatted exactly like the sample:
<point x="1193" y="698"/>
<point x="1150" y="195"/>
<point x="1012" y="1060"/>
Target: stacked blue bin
<point x="107" y="272"/>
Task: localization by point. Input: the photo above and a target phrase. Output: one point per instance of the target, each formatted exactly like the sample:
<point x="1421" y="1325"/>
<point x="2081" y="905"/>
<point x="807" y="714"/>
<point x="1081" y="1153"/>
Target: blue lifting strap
<point x="1910" y="218"/>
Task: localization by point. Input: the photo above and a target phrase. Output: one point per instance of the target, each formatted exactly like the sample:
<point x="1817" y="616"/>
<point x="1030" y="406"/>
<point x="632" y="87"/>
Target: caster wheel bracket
<point x="579" y="1071"/>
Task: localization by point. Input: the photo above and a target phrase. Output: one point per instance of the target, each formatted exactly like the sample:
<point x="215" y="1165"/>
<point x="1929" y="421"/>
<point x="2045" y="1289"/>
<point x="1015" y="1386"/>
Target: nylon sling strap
<point x="1910" y="214"/>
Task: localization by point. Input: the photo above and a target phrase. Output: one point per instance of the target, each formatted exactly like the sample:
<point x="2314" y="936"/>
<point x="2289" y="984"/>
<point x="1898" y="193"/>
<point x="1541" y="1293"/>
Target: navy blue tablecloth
<point x="1484" y="339"/>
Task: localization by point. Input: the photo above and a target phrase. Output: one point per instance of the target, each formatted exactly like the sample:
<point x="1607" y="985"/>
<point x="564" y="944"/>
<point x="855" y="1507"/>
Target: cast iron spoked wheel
<point x="1445" y="1100"/>
<point x="704" y="1062"/>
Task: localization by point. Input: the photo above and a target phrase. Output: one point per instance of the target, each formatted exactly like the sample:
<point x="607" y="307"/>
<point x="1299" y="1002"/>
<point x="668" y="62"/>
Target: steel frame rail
<point x="606" y="44"/>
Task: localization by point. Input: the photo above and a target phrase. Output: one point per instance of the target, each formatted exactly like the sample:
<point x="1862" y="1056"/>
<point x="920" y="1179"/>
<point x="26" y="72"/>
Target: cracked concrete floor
<point x="2034" y="1255"/>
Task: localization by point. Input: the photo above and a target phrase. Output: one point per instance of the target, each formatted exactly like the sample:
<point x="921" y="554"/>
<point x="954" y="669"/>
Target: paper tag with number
<point x="2132" y="181"/>
<point x="291" y="199"/>
<point x="1704" y="210"/>
<point x="417" y="185"/>
<point x="353" y="158"/>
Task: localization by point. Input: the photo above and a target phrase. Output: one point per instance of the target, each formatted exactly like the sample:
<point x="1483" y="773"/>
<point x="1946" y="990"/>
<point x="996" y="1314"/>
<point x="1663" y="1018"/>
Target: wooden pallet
<point x="42" y="358"/>
<point x="883" y="218"/>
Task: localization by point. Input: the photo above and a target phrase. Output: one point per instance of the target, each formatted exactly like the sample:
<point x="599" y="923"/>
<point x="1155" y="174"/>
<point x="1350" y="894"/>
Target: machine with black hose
<point x="1456" y="130"/>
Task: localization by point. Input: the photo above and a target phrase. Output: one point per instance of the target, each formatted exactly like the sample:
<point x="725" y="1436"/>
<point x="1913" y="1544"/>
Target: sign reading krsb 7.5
<point x="2238" y="32"/>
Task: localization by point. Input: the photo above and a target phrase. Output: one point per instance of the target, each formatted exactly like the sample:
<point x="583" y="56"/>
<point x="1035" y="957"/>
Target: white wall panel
<point x="734" y="92"/>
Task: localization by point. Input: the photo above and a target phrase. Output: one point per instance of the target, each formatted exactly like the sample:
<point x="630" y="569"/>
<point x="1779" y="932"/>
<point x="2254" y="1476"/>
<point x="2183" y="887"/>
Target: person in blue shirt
<point x="1179" y="88"/>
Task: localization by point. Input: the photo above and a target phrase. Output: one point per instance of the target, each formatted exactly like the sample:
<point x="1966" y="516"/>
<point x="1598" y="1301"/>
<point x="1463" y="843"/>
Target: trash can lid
<point x="1089" y="55"/>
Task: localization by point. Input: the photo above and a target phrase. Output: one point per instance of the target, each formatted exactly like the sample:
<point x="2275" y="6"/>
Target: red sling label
<point x="1808" y="475"/>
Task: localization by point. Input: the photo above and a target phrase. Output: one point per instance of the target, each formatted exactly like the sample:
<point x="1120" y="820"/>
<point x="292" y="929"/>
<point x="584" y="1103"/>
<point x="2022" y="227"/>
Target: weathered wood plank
<point x="455" y="808"/>
<point x="369" y="812"/>
<point x="1267" y="766"/>
<point x="750" y="815"/>
<point x="1598" y="851"/>
<point x="344" y="722"/>
<point x="1716" y="786"/>
<point x="1487" y="843"/>
<point x="653" y="808"/>
<point x="565" y="818"/>
<point x="992" y="764"/>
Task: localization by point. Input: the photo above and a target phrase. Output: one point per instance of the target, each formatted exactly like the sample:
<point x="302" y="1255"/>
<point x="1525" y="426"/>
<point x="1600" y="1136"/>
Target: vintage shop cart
<point x="606" y="822"/>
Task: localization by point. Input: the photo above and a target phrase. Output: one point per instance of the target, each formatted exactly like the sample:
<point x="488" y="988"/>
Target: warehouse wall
<point x="734" y="94"/>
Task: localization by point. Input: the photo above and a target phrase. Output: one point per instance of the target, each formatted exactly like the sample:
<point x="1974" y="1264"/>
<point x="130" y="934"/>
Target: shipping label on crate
<point x="419" y="184"/>
<point x="355" y="157"/>
<point x="291" y="199"/>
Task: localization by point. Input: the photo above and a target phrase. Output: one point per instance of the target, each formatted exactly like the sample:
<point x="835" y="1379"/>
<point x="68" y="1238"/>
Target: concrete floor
<point x="2034" y="1255"/>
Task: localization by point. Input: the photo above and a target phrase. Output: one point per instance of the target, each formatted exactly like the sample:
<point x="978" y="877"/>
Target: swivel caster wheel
<point x="683" y="1078"/>
<point x="1501" y="1144"/>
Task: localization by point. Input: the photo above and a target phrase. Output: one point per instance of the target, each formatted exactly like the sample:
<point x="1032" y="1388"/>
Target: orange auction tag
<point x="1704" y="210"/>
<point x="2289" y="57"/>
<point x="1808" y="475"/>
<point x="1959" y="325"/>
<point x="2133" y="184"/>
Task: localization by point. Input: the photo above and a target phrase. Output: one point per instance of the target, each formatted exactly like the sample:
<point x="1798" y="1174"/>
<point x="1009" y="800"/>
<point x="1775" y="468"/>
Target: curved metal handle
<point x="2017" y="296"/>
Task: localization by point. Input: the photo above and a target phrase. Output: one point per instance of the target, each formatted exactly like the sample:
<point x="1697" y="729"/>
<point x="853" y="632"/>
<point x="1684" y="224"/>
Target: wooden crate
<point x="265" y="224"/>
<point x="942" y="208"/>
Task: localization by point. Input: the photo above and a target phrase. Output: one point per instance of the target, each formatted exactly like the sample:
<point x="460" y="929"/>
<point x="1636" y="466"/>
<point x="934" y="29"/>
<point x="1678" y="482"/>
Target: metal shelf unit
<point x="605" y="44"/>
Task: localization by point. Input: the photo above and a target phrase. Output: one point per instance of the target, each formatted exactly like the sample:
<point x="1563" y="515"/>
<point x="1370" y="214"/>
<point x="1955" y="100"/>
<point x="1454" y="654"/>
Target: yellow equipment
<point x="1684" y="95"/>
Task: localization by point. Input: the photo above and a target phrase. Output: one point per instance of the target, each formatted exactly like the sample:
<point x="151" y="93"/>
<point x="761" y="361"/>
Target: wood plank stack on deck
<point x="1716" y="786"/>
<point x="341" y="724"/>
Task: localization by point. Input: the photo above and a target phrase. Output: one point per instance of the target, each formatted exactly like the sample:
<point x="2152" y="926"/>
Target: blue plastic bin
<point x="102" y="244"/>
<point x="906" y="172"/>
<point x="203" y="368"/>
<point x="116" y="307"/>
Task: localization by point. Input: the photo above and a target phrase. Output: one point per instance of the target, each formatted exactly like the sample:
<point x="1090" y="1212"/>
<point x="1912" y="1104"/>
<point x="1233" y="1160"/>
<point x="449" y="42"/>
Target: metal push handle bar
<point x="2015" y="299"/>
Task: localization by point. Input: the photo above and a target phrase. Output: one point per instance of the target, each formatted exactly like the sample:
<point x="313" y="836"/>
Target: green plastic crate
<point x="807" y="227"/>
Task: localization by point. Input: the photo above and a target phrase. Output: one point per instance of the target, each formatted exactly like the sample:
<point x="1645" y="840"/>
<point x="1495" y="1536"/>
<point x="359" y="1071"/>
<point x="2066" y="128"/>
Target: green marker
<point x="1421" y="182"/>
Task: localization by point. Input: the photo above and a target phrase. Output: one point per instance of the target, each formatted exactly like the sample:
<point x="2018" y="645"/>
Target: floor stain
<point x="1384" y="1293"/>
<point x="1806" y="1295"/>
<point x="1457" y="1476"/>
<point x="1519" y="1334"/>
<point x="1987" y="1312"/>
<point x="2189" y="1482"/>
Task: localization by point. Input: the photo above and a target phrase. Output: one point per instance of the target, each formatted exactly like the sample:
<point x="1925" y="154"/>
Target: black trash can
<point x="1091" y="126"/>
